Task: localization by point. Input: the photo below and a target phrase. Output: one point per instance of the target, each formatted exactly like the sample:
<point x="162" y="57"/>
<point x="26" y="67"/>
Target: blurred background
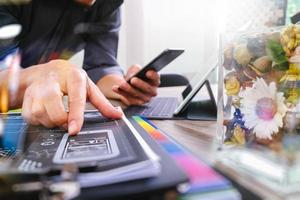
<point x="149" y="27"/>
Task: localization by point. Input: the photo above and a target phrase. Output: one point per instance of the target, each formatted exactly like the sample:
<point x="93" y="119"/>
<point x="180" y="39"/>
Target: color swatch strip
<point x="202" y="177"/>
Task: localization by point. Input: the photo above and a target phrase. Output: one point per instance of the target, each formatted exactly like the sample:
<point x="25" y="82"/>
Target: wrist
<point x="16" y="92"/>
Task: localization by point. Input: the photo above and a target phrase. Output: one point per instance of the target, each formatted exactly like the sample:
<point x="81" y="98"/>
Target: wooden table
<point x="198" y="138"/>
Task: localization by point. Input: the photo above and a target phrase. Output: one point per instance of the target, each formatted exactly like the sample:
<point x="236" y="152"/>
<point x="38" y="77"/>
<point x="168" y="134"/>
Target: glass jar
<point x="258" y="129"/>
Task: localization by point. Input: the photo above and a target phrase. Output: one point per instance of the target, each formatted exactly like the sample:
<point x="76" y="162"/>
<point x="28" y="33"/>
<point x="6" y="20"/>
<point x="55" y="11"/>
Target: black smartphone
<point x="162" y="60"/>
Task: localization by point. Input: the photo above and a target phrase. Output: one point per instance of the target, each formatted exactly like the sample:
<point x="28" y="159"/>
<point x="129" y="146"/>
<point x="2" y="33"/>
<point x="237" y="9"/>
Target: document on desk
<point x="105" y="151"/>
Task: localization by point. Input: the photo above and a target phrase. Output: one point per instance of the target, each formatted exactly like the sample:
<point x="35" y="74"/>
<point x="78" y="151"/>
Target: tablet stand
<point x="205" y="110"/>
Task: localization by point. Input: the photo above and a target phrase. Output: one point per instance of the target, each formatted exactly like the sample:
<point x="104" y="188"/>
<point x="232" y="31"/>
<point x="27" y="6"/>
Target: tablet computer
<point x="191" y="90"/>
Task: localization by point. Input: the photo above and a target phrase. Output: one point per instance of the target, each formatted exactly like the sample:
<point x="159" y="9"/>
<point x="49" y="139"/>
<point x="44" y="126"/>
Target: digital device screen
<point x="193" y="87"/>
<point x="87" y="146"/>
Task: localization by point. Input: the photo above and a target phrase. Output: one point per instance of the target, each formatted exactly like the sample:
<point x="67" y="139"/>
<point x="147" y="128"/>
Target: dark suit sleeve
<point x="101" y="47"/>
<point x="8" y="15"/>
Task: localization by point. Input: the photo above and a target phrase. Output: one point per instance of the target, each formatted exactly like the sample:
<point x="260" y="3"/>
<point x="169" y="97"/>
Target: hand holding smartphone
<point x="158" y="63"/>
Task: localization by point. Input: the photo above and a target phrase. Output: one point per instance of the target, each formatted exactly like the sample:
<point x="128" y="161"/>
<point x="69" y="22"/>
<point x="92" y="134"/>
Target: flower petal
<point x="250" y="96"/>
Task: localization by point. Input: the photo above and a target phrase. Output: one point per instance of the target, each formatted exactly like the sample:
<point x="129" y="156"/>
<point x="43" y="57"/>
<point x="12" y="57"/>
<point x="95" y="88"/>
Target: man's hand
<point x="138" y="91"/>
<point x="46" y="84"/>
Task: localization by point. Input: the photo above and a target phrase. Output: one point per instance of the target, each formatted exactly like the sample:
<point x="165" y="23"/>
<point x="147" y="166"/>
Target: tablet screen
<point x="192" y="89"/>
<point x="87" y="146"/>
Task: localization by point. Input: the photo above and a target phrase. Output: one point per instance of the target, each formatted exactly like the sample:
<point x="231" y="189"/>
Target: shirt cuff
<point x="96" y="74"/>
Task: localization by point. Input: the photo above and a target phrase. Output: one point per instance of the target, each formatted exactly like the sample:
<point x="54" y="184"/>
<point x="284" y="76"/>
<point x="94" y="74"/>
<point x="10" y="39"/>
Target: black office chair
<point x="295" y="19"/>
<point x="170" y="80"/>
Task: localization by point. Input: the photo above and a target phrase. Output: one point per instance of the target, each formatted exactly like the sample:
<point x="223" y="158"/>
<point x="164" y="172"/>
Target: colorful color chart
<point x="202" y="177"/>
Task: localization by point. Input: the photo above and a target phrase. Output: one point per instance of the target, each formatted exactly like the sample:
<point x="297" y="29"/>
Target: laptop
<point x="176" y="108"/>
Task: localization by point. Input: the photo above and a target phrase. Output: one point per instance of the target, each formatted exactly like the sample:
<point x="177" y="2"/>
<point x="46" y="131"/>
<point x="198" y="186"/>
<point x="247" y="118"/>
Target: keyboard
<point x="158" y="108"/>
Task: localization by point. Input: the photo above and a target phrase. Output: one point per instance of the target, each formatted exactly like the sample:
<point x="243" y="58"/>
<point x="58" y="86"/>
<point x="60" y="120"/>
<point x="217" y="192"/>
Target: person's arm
<point x="101" y="64"/>
<point x="42" y="88"/>
<point x="100" y="58"/>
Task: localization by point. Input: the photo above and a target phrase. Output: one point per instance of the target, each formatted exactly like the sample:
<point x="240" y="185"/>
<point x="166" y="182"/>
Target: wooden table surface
<point x="198" y="138"/>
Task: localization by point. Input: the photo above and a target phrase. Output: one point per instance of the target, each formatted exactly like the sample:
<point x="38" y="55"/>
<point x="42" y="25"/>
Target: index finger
<point x="76" y="86"/>
<point x="101" y="102"/>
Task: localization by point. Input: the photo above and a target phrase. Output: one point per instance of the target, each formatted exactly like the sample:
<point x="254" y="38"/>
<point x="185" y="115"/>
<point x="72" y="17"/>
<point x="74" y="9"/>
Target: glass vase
<point x="258" y="131"/>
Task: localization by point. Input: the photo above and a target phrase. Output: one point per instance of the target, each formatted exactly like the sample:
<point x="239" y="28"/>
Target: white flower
<point x="263" y="108"/>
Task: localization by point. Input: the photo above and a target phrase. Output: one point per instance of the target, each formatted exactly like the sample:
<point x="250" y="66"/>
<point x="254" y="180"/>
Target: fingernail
<point x="150" y="73"/>
<point x="72" y="128"/>
<point x="116" y="88"/>
<point x="133" y="81"/>
<point x="126" y="85"/>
